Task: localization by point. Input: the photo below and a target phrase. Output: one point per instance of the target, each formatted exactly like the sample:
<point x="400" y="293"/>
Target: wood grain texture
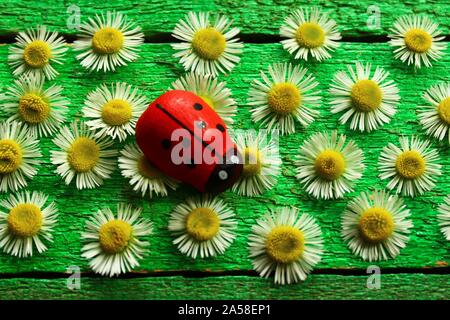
<point x="398" y="287"/>
<point x="252" y="17"/>
<point x="153" y="73"/>
<point x="259" y="21"/>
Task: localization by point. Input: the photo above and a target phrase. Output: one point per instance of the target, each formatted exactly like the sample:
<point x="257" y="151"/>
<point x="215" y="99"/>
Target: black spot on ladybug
<point x="198" y="106"/>
<point x="220" y="127"/>
<point x="166" y="144"/>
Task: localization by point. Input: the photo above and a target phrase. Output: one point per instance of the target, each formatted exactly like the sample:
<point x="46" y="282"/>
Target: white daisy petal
<point x="411" y="169"/>
<point x="416" y="40"/>
<point x="19" y="155"/>
<point x="36" y="52"/>
<point x="435" y="116"/>
<point x="114" y="112"/>
<point x="108" y="41"/>
<point x="262" y="163"/>
<point x="286" y="97"/>
<point x="28" y="102"/>
<point x="328" y="167"/>
<point x="366" y="102"/>
<point x="207" y="47"/>
<point x="285" y="244"/>
<point x="376" y="226"/>
<point x="113" y="241"/>
<point x="83" y="156"/>
<point x="143" y="176"/>
<point x="26" y="220"/>
<point x="203" y="227"/>
<point x="309" y="33"/>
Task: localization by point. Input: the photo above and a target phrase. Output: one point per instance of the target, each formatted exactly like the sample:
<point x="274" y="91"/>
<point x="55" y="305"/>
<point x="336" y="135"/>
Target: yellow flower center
<point x="37" y="53"/>
<point x="114" y="236"/>
<point x="366" y="95"/>
<point x="444" y="110"/>
<point x="410" y="164"/>
<point x="116" y="112"/>
<point x="310" y="35"/>
<point x="208" y="43"/>
<point x="418" y="40"/>
<point x="83" y="154"/>
<point x="25" y="220"/>
<point x="376" y="225"/>
<point x="107" y="40"/>
<point x="284" y="98"/>
<point x="147" y="170"/>
<point x="202" y="224"/>
<point x="252" y="162"/>
<point x="33" y="108"/>
<point x="329" y="165"/>
<point x="285" y="244"/>
<point x="208" y="100"/>
<point x="10" y="156"/>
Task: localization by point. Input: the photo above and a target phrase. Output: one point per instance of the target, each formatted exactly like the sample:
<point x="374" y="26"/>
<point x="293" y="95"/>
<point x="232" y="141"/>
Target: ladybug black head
<point x="225" y="174"/>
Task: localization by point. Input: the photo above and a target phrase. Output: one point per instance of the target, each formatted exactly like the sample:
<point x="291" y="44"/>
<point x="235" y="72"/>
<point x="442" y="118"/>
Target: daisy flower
<point x="26" y="220"/>
<point x="285" y="97"/>
<point x="416" y="40"/>
<point x="19" y="156"/>
<point x="435" y="117"/>
<point x="203" y="227"/>
<point x="83" y="157"/>
<point x="114" y="241"/>
<point x="328" y="166"/>
<point x="28" y="102"/>
<point x="107" y="42"/>
<point x="367" y="101"/>
<point x="444" y="217"/>
<point x="214" y="93"/>
<point x="285" y="243"/>
<point x="114" y="112"/>
<point x="261" y="163"/>
<point x="309" y="34"/>
<point x="412" y="169"/>
<point x="375" y="225"/>
<point x="143" y="176"/>
<point x="35" y="51"/>
<point x="207" y="48"/>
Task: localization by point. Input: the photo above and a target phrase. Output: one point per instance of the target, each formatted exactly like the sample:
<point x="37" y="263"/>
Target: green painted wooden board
<point x="153" y="73"/>
<point x="252" y="17"/>
<point x="393" y="286"/>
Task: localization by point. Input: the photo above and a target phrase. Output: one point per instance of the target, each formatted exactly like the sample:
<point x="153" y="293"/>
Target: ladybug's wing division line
<point x="171" y="116"/>
<point x="177" y="109"/>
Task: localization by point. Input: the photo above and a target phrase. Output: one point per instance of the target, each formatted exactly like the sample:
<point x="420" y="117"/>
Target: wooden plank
<point x="153" y="73"/>
<point x="392" y="286"/>
<point x="253" y="17"/>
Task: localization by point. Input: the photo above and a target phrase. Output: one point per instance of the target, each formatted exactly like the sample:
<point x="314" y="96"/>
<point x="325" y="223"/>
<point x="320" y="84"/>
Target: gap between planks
<point x="254" y="38"/>
<point x="206" y="274"/>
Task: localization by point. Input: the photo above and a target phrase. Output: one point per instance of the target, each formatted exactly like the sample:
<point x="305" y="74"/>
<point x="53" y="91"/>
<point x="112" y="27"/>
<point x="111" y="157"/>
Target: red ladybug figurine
<point x="185" y="139"/>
